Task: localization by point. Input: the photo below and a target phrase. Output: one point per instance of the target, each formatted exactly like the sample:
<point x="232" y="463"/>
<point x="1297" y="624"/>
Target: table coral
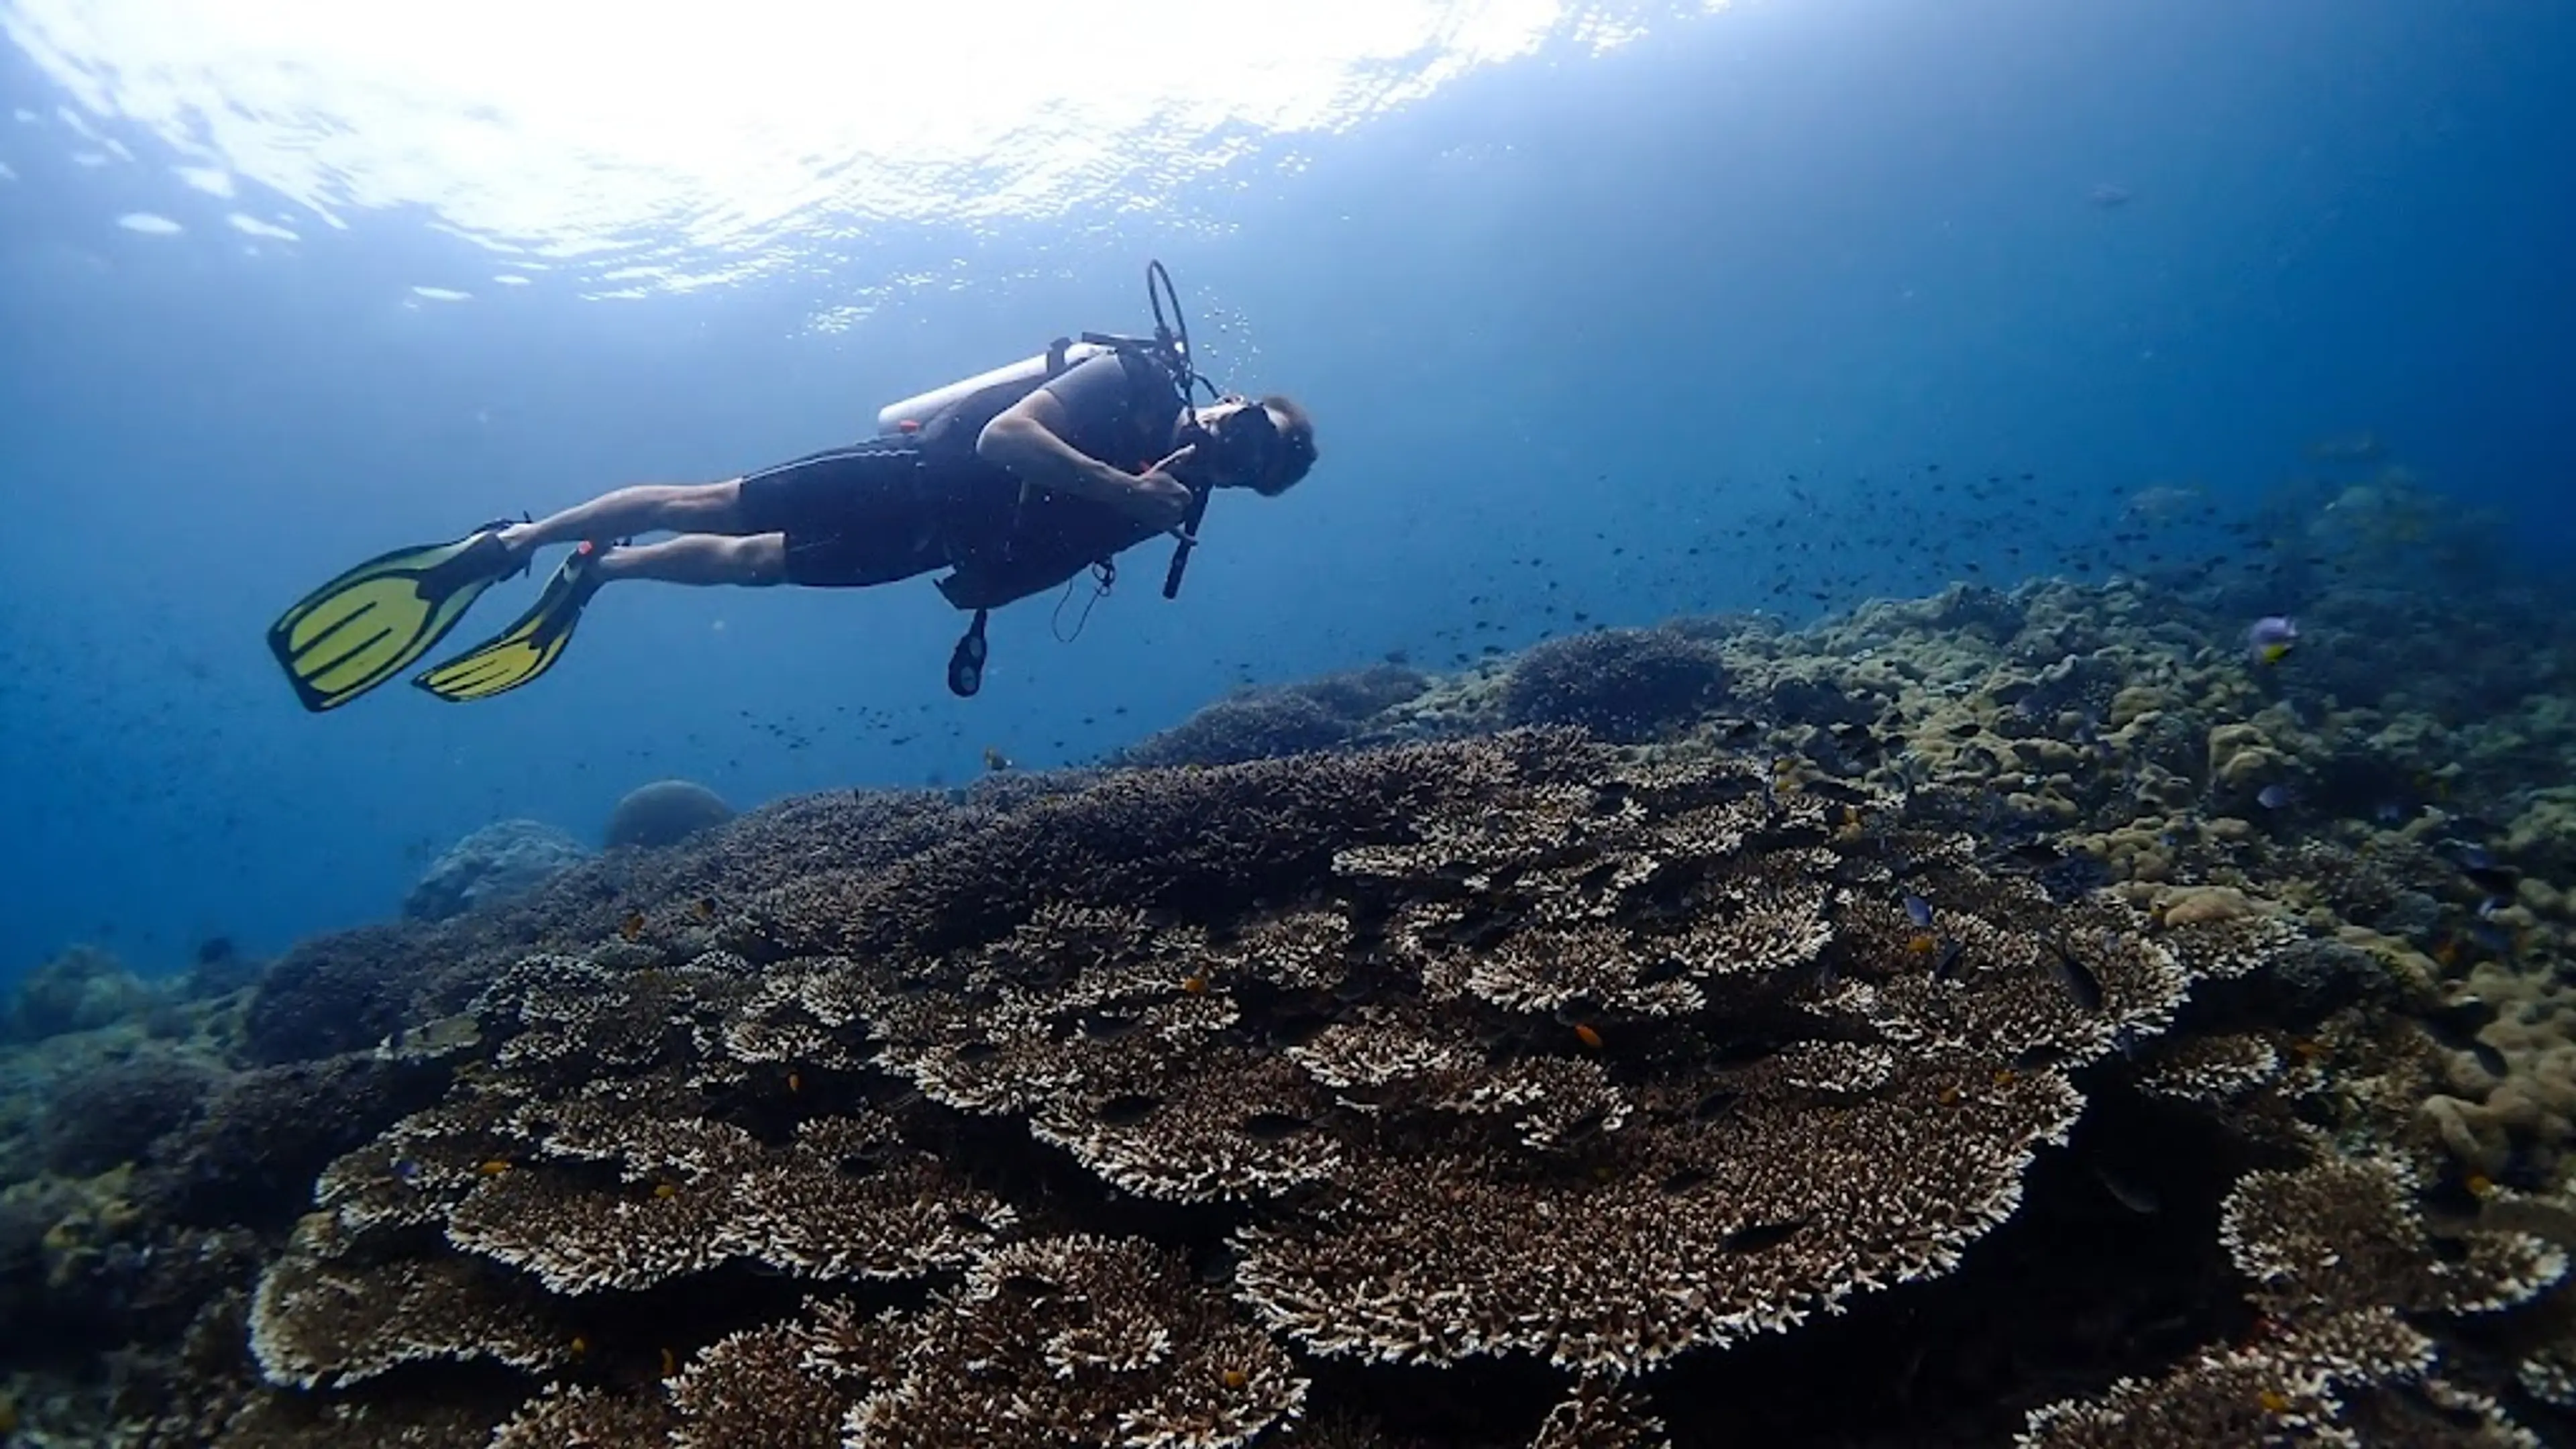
<point x="1943" y="1038"/>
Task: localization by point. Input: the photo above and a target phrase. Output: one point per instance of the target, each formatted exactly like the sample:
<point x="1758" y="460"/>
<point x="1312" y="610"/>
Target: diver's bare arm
<point x="1025" y="440"/>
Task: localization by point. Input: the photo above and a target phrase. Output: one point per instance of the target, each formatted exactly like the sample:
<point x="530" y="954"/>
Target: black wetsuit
<point x="890" y="508"/>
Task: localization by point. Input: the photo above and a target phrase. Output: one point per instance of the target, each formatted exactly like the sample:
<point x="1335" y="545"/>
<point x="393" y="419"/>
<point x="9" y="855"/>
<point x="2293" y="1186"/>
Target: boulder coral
<point x="664" y="812"/>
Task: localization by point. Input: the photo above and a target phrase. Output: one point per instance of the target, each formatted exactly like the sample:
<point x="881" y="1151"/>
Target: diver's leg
<point x="710" y="508"/>
<point x="699" y="558"/>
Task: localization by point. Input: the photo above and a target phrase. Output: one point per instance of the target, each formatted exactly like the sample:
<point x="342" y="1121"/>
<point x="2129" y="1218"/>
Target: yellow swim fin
<point x="529" y="647"/>
<point x="370" y="623"/>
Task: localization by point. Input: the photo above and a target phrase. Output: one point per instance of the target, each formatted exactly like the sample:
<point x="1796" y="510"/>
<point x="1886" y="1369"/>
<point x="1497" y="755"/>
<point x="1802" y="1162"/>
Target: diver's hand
<point x="1156" y="497"/>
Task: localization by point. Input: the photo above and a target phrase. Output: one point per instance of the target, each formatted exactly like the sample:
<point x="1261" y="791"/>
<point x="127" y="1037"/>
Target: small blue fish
<point x="1919" y="911"/>
<point x="2274" y="797"/>
<point x="406" y="1170"/>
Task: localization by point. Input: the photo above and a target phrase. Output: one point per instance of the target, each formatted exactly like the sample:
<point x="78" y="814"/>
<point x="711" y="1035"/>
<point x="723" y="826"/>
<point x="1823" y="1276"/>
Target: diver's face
<point x="1247" y="450"/>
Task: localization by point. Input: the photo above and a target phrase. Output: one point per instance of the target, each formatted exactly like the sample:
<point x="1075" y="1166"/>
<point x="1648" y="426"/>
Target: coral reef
<point x="2004" y="1017"/>
<point x="2341" y="1263"/>
<point x="1102" y="1342"/>
<point x="665" y="812"/>
<point x="250" y="1155"/>
<point x="83" y="989"/>
<point x="1289" y="719"/>
<point x="1254" y="725"/>
<point x="1460" y="1044"/>
<point x="500" y="862"/>
<point x="332" y="994"/>
<point x="116" y="1112"/>
<point x="29" y="1215"/>
<point x="353" y="990"/>
<point x="1623" y="684"/>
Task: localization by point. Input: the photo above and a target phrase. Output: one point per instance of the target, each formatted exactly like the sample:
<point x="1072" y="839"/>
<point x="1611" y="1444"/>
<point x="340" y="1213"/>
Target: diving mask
<point x="1245" y="443"/>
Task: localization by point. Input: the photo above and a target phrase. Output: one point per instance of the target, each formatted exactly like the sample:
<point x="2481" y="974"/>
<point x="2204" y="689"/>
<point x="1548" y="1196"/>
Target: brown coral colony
<point x="1536" y="1087"/>
<point x="1471" y="1073"/>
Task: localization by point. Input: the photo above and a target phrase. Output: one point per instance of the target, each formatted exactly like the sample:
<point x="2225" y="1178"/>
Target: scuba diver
<point x="1015" y="480"/>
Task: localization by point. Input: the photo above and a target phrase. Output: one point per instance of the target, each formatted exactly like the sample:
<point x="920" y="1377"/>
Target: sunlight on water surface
<point x="709" y="144"/>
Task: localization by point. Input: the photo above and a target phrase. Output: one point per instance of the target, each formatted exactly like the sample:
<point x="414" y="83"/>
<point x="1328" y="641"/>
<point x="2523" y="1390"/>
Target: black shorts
<point x="853" y="516"/>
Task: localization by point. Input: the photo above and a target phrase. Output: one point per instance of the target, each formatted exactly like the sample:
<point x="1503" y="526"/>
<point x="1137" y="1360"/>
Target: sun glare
<point x="572" y="129"/>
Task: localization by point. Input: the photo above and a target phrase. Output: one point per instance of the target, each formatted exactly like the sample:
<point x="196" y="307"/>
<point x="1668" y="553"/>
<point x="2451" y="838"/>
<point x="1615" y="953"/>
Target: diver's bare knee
<point x="760" y="558"/>
<point x="714" y="507"/>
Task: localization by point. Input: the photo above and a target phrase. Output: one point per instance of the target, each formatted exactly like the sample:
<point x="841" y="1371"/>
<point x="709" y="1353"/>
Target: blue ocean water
<point x="1606" y="313"/>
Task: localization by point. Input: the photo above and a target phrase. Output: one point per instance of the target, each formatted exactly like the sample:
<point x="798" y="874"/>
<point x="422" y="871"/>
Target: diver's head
<point x="1266" y="446"/>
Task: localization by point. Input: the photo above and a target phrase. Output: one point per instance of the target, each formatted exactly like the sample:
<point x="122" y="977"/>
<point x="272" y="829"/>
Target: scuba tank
<point x="986" y="392"/>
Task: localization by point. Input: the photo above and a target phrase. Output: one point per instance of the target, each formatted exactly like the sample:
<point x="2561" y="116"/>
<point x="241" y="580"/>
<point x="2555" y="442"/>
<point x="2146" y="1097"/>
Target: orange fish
<point x="1194" y="985"/>
<point x="1584" y="1033"/>
<point x="493" y="1167"/>
<point x="633" y="926"/>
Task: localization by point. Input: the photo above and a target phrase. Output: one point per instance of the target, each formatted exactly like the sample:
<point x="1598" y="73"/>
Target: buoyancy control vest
<point x="1040" y="540"/>
<point x="1012" y="540"/>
